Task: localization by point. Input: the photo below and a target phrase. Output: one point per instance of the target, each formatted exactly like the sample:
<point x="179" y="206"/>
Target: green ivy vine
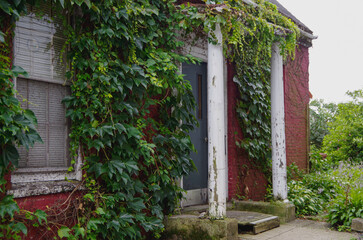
<point x="249" y="47"/>
<point x="131" y="111"/>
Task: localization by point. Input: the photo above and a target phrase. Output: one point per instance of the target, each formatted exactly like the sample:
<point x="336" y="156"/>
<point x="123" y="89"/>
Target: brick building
<point x="35" y="189"/>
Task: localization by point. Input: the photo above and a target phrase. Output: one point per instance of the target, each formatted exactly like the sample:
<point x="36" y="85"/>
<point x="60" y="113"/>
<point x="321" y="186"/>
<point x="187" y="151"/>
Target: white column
<point x="279" y="181"/>
<point x="216" y="130"/>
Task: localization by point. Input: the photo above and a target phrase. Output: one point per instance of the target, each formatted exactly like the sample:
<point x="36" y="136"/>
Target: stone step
<point x="253" y="222"/>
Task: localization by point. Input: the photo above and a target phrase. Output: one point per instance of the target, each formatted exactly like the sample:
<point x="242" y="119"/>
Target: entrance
<point x="196" y="183"/>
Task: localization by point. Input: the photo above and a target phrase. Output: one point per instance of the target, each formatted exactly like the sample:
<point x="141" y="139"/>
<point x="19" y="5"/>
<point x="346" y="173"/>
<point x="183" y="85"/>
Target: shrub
<point x="348" y="202"/>
<point x="305" y="200"/>
<point x="345" y="140"/>
<point x="320" y="114"/>
<point x="317" y="162"/>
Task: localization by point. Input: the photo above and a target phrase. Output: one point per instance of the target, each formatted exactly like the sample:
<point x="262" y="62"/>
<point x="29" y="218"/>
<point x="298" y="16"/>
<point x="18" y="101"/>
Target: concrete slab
<point x="190" y="227"/>
<point x="301" y="230"/>
<point x="244" y="217"/>
<point x="285" y="211"/>
<point x="253" y="222"/>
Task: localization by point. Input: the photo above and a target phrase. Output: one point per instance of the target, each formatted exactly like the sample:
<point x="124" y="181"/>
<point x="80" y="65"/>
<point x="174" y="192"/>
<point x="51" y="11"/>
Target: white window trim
<point x="41" y="181"/>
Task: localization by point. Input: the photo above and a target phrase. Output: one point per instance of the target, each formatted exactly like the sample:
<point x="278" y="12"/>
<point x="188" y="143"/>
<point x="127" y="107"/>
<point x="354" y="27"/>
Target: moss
<point x="194" y="233"/>
<point x="194" y="229"/>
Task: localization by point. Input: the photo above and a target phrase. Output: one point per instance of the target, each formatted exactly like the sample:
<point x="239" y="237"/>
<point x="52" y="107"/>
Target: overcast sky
<point x="336" y="58"/>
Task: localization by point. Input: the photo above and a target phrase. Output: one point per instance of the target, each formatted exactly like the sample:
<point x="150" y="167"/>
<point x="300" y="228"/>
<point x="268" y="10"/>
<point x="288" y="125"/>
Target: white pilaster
<point x="279" y="176"/>
<point x="216" y="130"/>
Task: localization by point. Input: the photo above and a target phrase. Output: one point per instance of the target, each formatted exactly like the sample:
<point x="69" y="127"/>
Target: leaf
<point x="116" y="164"/>
<point x="137" y="204"/>
<point x="62" y="3"/>
<point x="29" y="114"/>
<point x="93" y="224"/>
<point x="64" y="232"/>
<point x="109" y="32"/>
<point x="19" y="71"/>
<point x="8" y="206"/>
<point x="78" y="2"/>
<point x="133" y="132"/>
<point x="100" y="211"/>
<point x="88" y="3"/>
<point x="2" y="37"/>
<point x="125" y="217"/>
<point x="152" y="224"/>
<point x="114" y="224"/>
<point x="120" y="127"/>
<point x="98" y="169"/>
<point x="5" y="6"/>
<point x="10" y="154"/>
<point x="41" y="215"/>
<point x="131" y="165"/>
<point x="79" y="231"/>
<point x="138" y="43"/>
<point x="108" y="129"/>
<point x="20" y="227"/>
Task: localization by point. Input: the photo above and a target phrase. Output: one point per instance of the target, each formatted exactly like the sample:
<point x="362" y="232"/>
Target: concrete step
<point x="253" y="222"/>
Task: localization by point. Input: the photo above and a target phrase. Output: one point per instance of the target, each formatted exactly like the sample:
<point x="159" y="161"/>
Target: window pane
<point x="45" y="100"/>
<point x="38" y="45"/>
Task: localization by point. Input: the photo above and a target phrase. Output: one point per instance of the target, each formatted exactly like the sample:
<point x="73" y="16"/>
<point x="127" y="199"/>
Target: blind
<point x="38" y="45"/>
<point x="37" y="48"/>
<point x="44" y="99"/>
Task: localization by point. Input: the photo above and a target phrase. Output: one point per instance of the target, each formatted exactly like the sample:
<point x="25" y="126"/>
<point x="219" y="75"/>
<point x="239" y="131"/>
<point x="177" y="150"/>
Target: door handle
<point x="206" y="139"/>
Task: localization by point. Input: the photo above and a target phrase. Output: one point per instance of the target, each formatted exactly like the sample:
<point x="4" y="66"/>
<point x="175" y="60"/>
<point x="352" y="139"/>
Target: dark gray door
<point x="197" y="75"/>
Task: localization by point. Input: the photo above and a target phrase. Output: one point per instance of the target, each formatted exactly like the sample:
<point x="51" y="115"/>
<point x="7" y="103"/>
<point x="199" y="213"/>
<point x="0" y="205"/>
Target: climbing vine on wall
<point x="251" y="53"/>
<point x="131" y="110"/>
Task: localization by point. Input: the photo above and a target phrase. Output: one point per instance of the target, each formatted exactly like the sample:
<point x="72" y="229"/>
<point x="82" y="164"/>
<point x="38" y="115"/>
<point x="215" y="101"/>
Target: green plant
<point x="251" y="53"/>
<point x="348" y="201"/>
<point x="305" y="200"/>
<point x="293" y="172"/>
<point x="346" y="207"/>
<point x="320" y="115"/>
<point x="345" y="140"/>
<point x="317" y="162"/>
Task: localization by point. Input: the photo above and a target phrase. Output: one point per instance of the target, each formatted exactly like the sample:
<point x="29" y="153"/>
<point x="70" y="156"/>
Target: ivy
<point x="250" y="51"/>
<point x="131" y="111"/>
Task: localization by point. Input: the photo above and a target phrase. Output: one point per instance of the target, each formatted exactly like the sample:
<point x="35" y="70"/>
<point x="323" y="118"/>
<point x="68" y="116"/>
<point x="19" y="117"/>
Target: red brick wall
<point x="243" y="178"/>
<point x="296" y="87"/>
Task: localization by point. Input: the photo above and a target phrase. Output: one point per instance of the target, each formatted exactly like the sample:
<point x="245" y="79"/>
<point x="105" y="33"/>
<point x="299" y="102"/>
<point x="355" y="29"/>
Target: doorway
<point x="196" y="183"/>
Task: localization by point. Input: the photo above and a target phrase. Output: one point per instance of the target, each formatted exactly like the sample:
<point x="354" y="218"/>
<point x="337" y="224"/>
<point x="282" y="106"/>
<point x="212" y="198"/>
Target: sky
<point x="336" y="58"/>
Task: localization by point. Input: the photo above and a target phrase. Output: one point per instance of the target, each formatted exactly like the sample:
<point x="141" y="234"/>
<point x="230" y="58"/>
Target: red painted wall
<point x="243" y="178"/>
<point x="61" y="208"/>
<point x="297" y="96"/>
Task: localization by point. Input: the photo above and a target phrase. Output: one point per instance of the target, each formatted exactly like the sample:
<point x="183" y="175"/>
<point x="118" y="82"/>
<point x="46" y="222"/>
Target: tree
<point x="320" y="115"/>
<point x="345" y="139"/>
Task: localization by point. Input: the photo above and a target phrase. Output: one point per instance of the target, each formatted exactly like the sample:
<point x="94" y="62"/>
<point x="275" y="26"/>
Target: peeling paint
<point x="278" y="125"/>
<point x="215" y="178"/>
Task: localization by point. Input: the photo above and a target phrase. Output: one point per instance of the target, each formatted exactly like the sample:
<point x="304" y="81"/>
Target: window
<point x="38" y="44"/>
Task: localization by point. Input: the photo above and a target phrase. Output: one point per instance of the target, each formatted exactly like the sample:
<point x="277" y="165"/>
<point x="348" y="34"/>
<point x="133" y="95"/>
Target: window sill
<point x="19" y="190"/>
<point x="42" y="181"/>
